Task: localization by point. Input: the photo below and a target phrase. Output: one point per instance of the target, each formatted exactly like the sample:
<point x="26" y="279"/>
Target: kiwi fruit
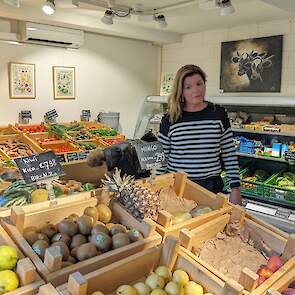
<point x="99" y="228"/>
<point x="92" y="212"/>
<point x="31" y="237"/>
<point x="72" y="259"/>
<point x="60" y="237"/>
<point x="74" y="252"/>
<point x="49" y="230"/>
<point x="120" y="240"/>
<point x="117" y="228"/>
<point x="42" y="236"/>
<point x="86" y="251"/>
<point x="85" y="224"/>
<point x="73" y="217"/>
<point x="134" y="235"/>
<point x="102" y="242"/>
<point x="63" y="248"/>
<point x="67" y="226"/>
<point x="78" y="240"/>
<point x="39" y="247"/>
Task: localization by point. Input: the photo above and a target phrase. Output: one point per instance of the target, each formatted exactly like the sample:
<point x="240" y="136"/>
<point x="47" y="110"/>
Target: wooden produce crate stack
<point x="21" y="138"/>
<point x="30" y="281"/>
<point x="30" y="128"/>
<point x="50" y="270"/>
<point x="282" y="283"/>
<point x="280" y="242"/>
<point x="138" y="266"/>
<point x="191" y="191"/>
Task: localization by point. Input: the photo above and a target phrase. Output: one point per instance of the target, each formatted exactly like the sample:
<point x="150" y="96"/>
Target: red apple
<point x="289" y="291"/>
<point x="265" y="272"/>
<point x="274" y="263"/>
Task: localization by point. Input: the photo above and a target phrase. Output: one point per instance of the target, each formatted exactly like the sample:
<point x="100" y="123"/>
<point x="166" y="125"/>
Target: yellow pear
<point x="158" y="292"/>
<point x="192" y="288"/>
<point x="164" y="272"/>
<point x="97" y="293"/>
<point x="173" y="288"/>
<point x="180" y="277"/>
<point x="142" y="288"/>
<point x="126" y="290"/>
<point x="154" y="281"/>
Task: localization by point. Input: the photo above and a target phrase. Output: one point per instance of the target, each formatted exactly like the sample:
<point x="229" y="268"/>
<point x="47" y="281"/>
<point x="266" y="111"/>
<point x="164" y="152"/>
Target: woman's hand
<point x="235" y="196"/>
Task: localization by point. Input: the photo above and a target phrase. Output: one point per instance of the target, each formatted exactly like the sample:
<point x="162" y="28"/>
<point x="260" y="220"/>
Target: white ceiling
<point x="187" y="19"/>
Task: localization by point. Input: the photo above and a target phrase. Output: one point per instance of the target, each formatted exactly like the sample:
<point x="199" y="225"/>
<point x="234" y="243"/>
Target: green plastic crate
<point x="279" y="194"/>
<point x="256" y="188"/>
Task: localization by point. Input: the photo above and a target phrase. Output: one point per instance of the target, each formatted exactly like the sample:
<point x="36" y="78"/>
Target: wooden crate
<point x="281" y="243"/>
<point x="282" y="283"/>
<point x="26" y="128"/>
<point x="187" y="189"/>
<point x="30" y="281"/>
<point x="136" y="267"/>
<point x="22" y="138"/>
<point x="7" y="130"/>
<point x="51" y="272"/>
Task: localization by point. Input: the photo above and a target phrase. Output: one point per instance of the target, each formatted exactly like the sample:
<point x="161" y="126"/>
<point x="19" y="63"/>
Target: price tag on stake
<point x="51" y="115"/>
<point x="26" y="114"/>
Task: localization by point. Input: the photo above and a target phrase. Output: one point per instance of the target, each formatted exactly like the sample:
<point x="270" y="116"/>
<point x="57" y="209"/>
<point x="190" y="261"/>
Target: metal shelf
<point x="262" y="157"/>
<point x="263" y="132"/>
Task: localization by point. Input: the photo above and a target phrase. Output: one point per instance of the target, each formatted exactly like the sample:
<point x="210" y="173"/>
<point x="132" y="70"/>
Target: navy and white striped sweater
<point x="199" y="143"/>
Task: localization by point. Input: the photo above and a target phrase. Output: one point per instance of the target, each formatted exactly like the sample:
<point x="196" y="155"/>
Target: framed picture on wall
<point x="252" y="65"/>
<point x="64" y="82"/>
<point x="22" y="83"/>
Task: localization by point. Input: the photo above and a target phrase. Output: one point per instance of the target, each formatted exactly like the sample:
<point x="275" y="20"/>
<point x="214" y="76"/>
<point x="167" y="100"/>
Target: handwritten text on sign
<point x="39" y="167"/>
<point x="150" y="154"/>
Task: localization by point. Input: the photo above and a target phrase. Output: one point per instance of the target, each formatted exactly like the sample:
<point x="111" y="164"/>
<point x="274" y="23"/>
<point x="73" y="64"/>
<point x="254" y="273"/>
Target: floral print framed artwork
<point x="64" y="82"/>
<point x="22" y="82"/>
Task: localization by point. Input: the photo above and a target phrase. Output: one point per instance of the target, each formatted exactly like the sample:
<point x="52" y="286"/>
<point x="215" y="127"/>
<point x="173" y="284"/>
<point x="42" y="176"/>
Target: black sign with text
<point x="86" y="113"/>
<point x="51" y="114"/>
<point x="290" y="157"/>
<point x="39" y="167"/>
<point x="150" y="154"/>
<point x="26" y="115"/>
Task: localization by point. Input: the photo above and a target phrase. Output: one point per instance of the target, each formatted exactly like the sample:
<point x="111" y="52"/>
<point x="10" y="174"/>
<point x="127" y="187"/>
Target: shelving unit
<point x="262" y="157"/>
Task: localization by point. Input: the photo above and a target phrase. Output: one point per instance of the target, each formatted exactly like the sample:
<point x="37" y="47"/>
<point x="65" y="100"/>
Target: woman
<point x="196" y="135"/>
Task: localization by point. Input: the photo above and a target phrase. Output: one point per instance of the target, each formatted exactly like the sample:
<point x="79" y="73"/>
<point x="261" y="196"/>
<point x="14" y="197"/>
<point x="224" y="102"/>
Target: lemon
<point x="97" y="293"/>
<point x="180" y="277"/>
<point x="8" y="281"/>
<point x="192" y="288"/>
<point x="39" y="195"/>
<point x="8" y="257"/>
<point x="158" y="292"/>
<point x="164" y="272"/>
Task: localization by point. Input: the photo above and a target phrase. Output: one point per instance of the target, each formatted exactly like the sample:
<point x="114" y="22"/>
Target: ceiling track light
<point x="49" y="7"/>
<point x="161" y="20"/>
<point x="226" y="7"/>
<point x="107" y="19"/>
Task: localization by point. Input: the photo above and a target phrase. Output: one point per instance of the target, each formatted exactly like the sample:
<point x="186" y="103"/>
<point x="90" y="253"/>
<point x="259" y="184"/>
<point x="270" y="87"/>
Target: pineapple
<point x="140" y="202"/>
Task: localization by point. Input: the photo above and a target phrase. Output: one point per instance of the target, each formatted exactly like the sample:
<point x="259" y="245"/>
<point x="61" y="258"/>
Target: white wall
<point x="112" y="74"/>
<point x="204" y="49"/>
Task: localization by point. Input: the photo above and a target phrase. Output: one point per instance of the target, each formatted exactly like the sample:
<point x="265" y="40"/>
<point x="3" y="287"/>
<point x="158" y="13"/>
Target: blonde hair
<point x="176" y="101"/>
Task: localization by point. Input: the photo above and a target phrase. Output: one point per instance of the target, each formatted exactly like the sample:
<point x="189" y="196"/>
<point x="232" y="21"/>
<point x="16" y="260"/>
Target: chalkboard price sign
<point x="51" y="115"/>
<point x="39" y="167"/>
<point x="290" y="157"/>
<point x="150" y="155"/>
<point x="86" y="113"/>
<point x="26" y="114"/>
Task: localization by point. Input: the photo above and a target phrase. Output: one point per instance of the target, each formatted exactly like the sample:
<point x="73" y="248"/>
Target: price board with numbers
<point x="150" y="155"/>
<point x="39" y="167"/>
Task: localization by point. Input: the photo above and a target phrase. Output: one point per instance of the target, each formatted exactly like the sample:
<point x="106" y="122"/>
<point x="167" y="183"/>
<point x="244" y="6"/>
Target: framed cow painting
<point x="252" y="65"/>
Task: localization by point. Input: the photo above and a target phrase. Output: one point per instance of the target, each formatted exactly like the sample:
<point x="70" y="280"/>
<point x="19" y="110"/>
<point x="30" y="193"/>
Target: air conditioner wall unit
<point x="51" y="35"/>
